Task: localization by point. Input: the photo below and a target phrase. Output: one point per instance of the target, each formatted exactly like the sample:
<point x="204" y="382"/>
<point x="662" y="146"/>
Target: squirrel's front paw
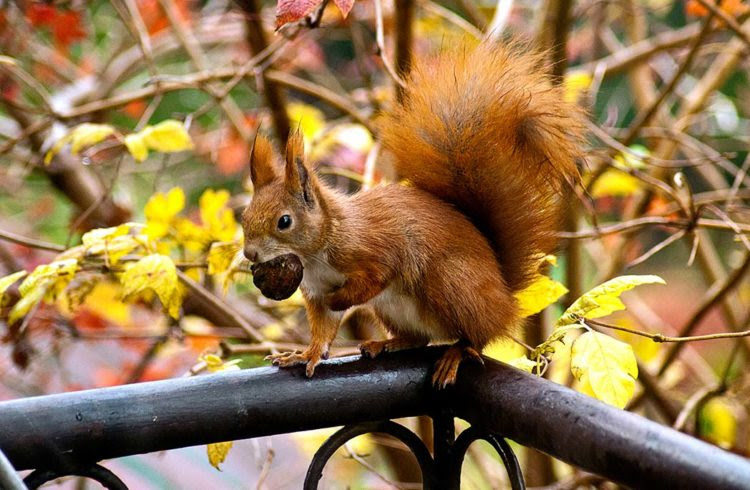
<point x="310" y="357"/>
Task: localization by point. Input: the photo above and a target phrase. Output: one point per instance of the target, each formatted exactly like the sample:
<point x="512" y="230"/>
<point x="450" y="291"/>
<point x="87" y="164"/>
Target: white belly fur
<point x="404" y="315"/>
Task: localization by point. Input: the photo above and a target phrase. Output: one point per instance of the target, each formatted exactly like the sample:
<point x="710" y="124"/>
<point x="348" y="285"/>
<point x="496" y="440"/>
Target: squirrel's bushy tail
<point x="486" y="130"/>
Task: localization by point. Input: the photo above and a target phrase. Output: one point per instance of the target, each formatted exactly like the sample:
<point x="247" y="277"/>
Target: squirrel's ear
<point x="262" y="165"/>
<point x="297" y="174"/>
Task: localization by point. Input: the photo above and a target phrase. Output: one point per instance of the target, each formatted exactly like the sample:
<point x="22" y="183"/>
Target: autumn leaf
<point x="615" y="183"/>
<point x="541" y="293"/>
<point x="574" y="84"/>
<point x="293" y="10"/>
<point x="718" y="422"/>
<point x="216" y="364"/>
<point x="7" y="281"/>
<point x="157" y="273"/>
<point x="136" y="146"/>
<point x="604" y="299"/>
<point x="45" y="282"/>
<point x="80" y="137"/>
<point x="168" y="136"/>
<point x="309" y="119"/>
<point x="216" y="216"/>
<point x="523" y="363"/>
<point x="606" y="365"/>
<point x="217" y="453"/>
<point x="161" y="210"/>
<point x="221" y="255"/>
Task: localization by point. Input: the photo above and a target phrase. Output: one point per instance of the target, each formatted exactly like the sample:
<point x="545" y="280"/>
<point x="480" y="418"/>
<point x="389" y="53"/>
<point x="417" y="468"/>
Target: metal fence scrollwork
<point x="443" y="471"/>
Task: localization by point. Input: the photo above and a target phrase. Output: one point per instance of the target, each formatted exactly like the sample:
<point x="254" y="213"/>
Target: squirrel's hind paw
<point x="446" y="368"/>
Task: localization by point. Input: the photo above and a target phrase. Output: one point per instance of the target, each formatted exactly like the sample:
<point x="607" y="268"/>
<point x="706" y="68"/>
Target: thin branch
<point x="30" y="242"/>
<point x="380" y="41"/>
<point x="661" y="338"/>
<point x="217" y="303"/>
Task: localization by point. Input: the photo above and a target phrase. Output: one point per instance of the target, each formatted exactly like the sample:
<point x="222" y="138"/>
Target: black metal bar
<point x="112" y="422"/>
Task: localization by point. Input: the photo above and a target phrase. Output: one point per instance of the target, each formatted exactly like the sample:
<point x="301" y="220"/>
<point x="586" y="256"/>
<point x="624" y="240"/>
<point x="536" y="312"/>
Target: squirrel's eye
<point x="284" y="222"/>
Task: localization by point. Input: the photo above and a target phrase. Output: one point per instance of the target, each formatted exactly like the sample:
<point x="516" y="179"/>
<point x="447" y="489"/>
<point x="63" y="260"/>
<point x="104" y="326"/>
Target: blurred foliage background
<point x="666" y="192"/>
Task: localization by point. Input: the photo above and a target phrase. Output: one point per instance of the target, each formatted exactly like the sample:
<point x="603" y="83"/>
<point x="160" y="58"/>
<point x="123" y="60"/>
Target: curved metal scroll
<point x="432" y="476"/>
<point x="344" y="435"/>
<point x="94" y="472"/>
<point x="464" y="440"/>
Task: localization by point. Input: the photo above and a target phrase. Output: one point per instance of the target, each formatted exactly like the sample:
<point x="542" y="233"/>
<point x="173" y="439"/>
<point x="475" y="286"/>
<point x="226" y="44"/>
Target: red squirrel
<point x="485" y="142"/>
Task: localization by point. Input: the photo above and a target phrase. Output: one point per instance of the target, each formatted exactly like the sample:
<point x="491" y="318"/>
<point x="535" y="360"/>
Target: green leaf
<point x="605" y="364"/>
<point x="604" y="299"/>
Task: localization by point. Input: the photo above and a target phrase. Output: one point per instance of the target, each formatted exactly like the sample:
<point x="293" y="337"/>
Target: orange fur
<point x="487" y="142"/>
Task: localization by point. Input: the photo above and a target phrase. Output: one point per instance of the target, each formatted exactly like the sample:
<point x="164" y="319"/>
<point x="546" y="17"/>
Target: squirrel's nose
<point x="251" y="253"/>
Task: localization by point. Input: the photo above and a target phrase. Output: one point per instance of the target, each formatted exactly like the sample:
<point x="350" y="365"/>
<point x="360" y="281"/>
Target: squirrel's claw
<point x="310" y="357"/>
<point x="446" y="368"/>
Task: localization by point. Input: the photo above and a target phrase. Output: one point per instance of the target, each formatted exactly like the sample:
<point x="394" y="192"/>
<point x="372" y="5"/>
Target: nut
<point x="279" y="277"/>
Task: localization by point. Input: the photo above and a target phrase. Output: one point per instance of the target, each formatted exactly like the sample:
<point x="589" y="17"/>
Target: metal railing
<point x="70" y="433"/>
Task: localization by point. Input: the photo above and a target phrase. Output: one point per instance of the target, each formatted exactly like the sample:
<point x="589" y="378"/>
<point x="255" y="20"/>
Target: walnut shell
<point x="279" y="277"/>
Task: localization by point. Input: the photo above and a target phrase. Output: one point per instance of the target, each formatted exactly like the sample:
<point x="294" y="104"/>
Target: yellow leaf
<point x="503" y="350"/>
<point x="221" y="255"/>
<point x="118" y="247"/>
<point x="157" y="273"/>
<point x="309" y="119"/>
<point x="615" y="183"/>
<point x="103" y="234"/>
<point x="523" y="363"/>
<point x="168" y="136"/>
<point x="7" y="281"/>
<point x="25" y="304"/>
<point x="217" y="453"/>
<point x="190" y="235"/>
<point x="718" y="422"/>
<point x="161" y="209"/>
<point x="216" y="216"/>
<point x="604" y="299"/>
<point x="574" y="84"/>
<point x="608" y="365"/>
<point x="538" y="295"/>
<point x="45" y="282"/>
<point x="52" y="277"/>
<point x="136" y="146"/>
<point x="215" y="364"/>
<point x="273" y="331"/>
<point x="81" y="136"/>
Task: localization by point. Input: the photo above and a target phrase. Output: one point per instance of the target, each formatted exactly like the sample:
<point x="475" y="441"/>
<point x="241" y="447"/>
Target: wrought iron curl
<point x="434" y="475"/>
<point x="345" y="434"/>
<point x="94" y="472"/>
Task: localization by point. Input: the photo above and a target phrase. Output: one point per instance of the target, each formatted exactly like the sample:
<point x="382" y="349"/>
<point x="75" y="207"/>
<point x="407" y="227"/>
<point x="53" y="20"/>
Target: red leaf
<point x="345" y="6"/>
<point x="67" y="28"/>
<point x="41" y="14"/>
<point x="293" y="10"/>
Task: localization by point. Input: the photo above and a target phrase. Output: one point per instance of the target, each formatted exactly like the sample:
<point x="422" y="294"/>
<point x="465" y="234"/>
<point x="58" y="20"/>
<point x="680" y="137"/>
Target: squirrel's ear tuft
<point x="298" y="180"/>
<point x="262" y="162"/>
